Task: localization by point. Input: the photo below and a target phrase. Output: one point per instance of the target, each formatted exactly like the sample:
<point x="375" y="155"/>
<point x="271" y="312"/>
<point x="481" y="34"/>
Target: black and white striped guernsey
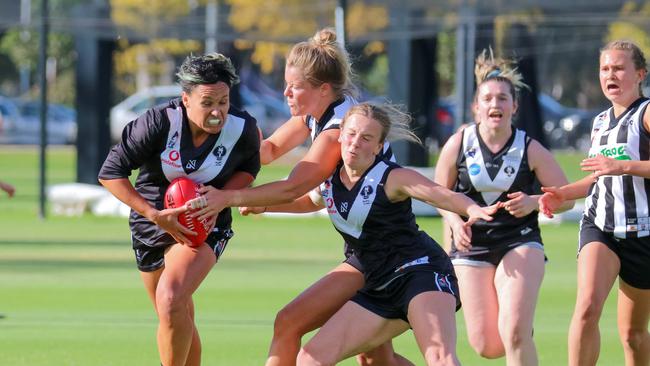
<point x="618" y="204"/>
<point x="488" y="177"/>
<point x="382" y="234"/>
<point x="332" y="118"/>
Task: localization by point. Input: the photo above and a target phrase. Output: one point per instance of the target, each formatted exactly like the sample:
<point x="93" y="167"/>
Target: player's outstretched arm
<point x="309" y="202"/>
<point x="403" y="183"/>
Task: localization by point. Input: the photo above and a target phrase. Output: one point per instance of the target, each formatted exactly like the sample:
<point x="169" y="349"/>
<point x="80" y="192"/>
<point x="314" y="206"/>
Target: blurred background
<point x="69" y="292"/>
<point x="106" y="61"/>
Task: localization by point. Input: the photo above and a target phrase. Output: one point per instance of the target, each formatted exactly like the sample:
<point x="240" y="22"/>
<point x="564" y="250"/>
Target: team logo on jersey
<point x="344" y="207"/>
<point x="191" y="165"/>
<point x="172" y="141"/>
<point x="366" y="191"/>
<point x="474" y="169"/>
<point x="471" y="152"/>
<point x="509" y="170"/>
<point x="220" y="152"/>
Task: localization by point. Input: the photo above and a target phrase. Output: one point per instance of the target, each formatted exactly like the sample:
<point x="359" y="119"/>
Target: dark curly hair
<point x="206" y="69"/>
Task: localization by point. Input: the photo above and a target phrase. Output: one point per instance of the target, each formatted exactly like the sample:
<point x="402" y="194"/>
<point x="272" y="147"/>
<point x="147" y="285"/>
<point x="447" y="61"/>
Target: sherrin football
<point x="180" y="191"/>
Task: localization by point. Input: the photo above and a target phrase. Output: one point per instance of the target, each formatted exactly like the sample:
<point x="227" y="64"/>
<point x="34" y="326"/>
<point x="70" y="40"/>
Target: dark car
<point x="566" y="127"/>
<point x="444" y="126"/>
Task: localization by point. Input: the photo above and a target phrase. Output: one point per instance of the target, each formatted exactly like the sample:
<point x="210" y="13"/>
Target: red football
<point x="180" y="191"/>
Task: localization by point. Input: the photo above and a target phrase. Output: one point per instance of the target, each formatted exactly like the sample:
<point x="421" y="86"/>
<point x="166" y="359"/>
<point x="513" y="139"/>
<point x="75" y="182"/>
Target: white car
<point x="133" y="106"/>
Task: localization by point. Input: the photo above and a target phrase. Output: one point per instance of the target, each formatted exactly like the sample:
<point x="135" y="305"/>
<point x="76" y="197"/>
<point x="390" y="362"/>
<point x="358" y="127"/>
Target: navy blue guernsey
<point x="383" y="234"/>
<point x="159" y="144"/>
<point x="487" y="178"/>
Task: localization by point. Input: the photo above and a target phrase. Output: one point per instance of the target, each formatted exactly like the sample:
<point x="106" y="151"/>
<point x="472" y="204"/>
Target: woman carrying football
<point x="203" y="137"/>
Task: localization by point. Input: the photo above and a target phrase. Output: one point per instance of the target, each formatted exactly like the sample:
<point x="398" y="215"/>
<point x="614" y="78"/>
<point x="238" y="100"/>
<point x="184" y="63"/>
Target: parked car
<point x="9" y="117"/>
<point x="565" y="127"/>
<point x="22" y="122"/>
<point x="269" y="110"/>
<point x="443" y="126"/>
<point x="136" y="104"/>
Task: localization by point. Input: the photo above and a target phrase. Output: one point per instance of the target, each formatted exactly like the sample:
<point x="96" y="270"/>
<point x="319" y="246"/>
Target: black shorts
<point x="634" y="253"/>
<point x="392" y="301"/>
<point x="479" y="256"/>
<point x="150" y="258"/>
<point x="351" y="258"/>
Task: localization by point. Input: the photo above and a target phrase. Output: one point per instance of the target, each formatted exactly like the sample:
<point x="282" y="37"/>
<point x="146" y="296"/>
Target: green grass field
<point x="70" y="293"/>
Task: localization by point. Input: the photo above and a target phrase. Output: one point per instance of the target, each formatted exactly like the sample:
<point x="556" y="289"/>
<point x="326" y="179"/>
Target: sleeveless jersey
<point x="332" y="118"/>
<point x="159" y="144"/>
<point x="383" y="235"/>
<point x="487" y="178"/>
<point x="618" y="204"/>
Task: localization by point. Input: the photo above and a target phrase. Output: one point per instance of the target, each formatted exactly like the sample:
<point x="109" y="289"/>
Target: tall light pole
<point x="339" y="21"/>
<point x="211" y="26"/>
<point x="42" y="65"/>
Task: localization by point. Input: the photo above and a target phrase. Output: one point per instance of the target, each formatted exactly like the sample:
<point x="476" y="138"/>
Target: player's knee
<point x="587" y="311"/>
<point x="515" y="335"/>
<point x="489" y="350"/>
<point x="364" y="359"/>
<point x="440" y="356"/>
<point x="487" y="347"/>
<point x="288" y="324"/>
<point x="307" y="358"/>
<point x="169" y="304"/>
<point x="634" y="339"/>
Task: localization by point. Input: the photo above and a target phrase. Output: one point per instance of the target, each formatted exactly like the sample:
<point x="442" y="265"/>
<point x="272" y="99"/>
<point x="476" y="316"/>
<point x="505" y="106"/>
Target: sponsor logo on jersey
<point x="474" y="169"/>
<point x="618" y="152"/>
<point x="191" y="164"/>
<point x="344" y="207"/>
<point x="330" y="205"/>
<point x="174" y="155"/>
<point x="525" y="230"/>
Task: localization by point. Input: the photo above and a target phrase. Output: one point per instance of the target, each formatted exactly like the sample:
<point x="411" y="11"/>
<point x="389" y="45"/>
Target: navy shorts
<point x="392" y="301"/>
<point x="150" y="258"/>
<point x="634" y="253"/>
<point x="351" y="258"/>
<point x="479" y="256"/>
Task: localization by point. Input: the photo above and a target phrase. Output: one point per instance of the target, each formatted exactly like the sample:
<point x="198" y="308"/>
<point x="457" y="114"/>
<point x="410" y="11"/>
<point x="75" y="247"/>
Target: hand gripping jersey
<point x="618" y="204"/>
<point x="488" y="177"/>
<point x="159" y="144"/>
